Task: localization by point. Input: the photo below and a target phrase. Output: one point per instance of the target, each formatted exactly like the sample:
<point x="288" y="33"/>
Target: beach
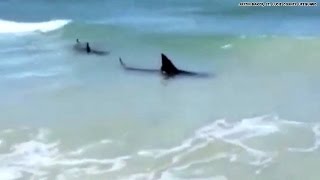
<point x="67" y="115"/>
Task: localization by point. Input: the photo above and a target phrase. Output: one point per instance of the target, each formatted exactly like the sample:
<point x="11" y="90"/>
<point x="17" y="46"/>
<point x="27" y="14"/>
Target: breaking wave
<point x="8" y="27"/>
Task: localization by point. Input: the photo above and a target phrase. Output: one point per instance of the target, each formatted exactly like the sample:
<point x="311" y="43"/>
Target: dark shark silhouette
<point x="167" y="68"/>
<point x="81" y="47"/>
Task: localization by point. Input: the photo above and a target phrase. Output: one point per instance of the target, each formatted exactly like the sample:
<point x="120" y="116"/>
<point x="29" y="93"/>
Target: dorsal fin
<point x="167" y="66"/>
<point x="88" y="48"/>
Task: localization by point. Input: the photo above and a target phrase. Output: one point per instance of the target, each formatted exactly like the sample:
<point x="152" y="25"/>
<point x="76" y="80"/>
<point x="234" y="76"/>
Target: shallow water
<point x="67" y="115"/>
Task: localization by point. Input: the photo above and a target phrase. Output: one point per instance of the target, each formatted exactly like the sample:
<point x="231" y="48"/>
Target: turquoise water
<point x="66" y="115"/>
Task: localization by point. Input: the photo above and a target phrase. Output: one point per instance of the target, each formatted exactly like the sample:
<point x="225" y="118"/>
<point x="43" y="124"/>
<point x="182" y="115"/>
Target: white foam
<point x="38" y="74"/>
<point x="94" y="170"/>
<point x="316" y="144"/>
<point x="8" y="27"/>
<point x="33" y="153"/>
<point x="9" y="174"/>
<point x="27" y="157"/>
<point x="168" y="175"/>
<point x="117" y="162"/>
<point x="146" y="153"/>
<point x="139" y="176"/>
<point x="79" y="151"/>
<point x="90" y="166"/>
<point x="157" y="153"/>
<point x="226" y="46"/>
<point x="106" y="141"/>
<point x="207" y="160"/>
<point x="43" y="134"/>
<point x="236" y="133"/>
<point x="91" y="170"/>
<point x="30" y="74"/>
<point x="61" y="177"/>
<point x="194" y="148"/>
<point x="245" y="129"/>
<point x="233" y="133"/>
<point x="36" y="156"/>
<point x="85" y="148"/>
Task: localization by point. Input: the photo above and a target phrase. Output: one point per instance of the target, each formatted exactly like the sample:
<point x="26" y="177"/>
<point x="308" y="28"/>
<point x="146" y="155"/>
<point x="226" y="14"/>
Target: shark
<point x="85" y="47"/>
<point x="167" y="69"/>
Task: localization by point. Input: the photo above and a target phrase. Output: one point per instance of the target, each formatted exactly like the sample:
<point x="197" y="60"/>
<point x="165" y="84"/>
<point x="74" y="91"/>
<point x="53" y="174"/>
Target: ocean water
<point x="66" y="115"/>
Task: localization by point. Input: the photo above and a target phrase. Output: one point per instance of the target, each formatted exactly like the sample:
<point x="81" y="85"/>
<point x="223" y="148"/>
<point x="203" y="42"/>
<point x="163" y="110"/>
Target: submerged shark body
<point x="167" y="69"/>
<point x="85" y="47"/>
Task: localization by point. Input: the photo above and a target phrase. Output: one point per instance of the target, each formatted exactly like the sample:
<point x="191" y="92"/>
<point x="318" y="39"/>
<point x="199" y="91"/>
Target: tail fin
<point x="122" y="63"/>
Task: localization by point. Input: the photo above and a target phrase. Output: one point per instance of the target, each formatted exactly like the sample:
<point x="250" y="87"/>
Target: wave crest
<point x="8" y="27"/>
